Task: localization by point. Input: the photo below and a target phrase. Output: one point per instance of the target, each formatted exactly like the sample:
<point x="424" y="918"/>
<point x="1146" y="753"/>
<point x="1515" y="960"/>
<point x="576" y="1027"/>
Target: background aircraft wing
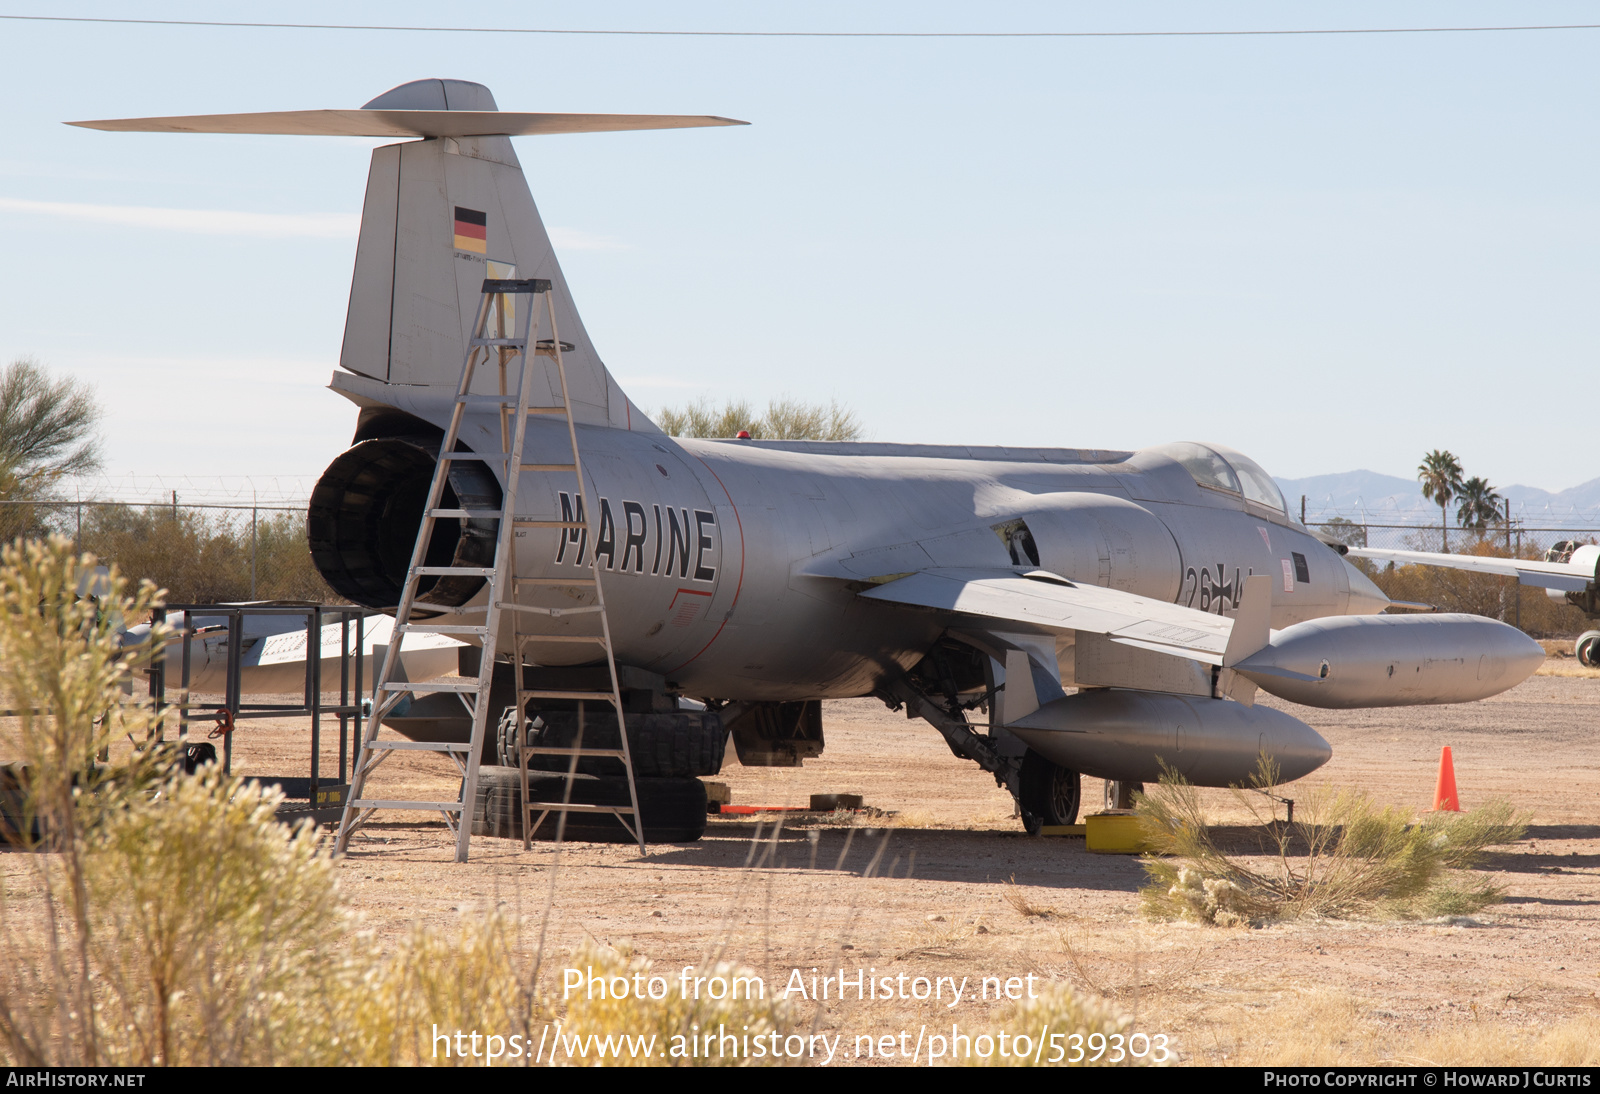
<point x="1571" y="577"/>
<point x="1044" y="600"/>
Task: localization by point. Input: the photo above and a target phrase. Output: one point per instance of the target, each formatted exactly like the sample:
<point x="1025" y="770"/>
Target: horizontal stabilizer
<point x="406" y="123"/>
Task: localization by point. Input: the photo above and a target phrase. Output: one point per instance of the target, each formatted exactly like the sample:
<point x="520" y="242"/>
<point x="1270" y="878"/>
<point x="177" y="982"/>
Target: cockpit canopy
<point x="1218" y="467"/>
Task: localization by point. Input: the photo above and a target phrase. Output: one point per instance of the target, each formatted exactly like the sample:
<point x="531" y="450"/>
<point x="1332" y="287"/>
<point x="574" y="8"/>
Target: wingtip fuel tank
<point x="1136" y="735"/>
<point x="1341" y="662"/>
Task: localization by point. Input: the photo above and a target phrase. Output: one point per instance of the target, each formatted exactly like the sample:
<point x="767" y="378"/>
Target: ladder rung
<point x="454" y="571"/>
<point x="543" y="751"/>
<point x="434" y="685"/>
<point x="553" y="613"/>
<point x="484" y="400"/>
<point x="605" y="695"/>
<point x="553" y="581"/>
<point x="419" y="746"/>
<point x="575" y="807"/>
<point x="549" y="467"/>
<point x="442" y="628"/>
<point x="519" y="286"/>
<point x="489" y="514"/>
<point x="466" y="514"/>
<point x="374" y="803"/>
<point x="600" y="638"/>
<point x="518" y="342"/>
<point x="467" y="456"/>
<point x="547" y="410"/>
<point x="446" y="609"/>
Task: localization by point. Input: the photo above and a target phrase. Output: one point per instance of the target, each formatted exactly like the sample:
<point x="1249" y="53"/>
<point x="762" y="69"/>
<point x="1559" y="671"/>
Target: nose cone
<point x="1297" y="749"/>
<point x="1365" y="597"/>
<point x="1523" y="656"/>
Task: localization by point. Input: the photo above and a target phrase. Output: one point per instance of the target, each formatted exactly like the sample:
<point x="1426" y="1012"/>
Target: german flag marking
<point x="471" y="231"/>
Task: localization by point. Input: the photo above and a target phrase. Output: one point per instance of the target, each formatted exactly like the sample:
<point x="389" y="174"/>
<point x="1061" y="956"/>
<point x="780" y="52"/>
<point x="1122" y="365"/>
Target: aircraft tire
<point x="1587" y="649"/>
<point x="674" y="809"/>
<point x="664" y="745"/>
<point x="1050" y="793"/>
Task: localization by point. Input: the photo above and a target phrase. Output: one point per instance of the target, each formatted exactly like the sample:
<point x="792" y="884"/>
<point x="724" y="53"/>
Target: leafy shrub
<point x="785" y="419"/>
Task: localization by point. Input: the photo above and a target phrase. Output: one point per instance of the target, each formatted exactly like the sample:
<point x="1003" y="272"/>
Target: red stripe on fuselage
<point x="738" y="587"/>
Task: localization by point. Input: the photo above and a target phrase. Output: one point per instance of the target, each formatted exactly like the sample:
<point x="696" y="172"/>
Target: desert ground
<point x="938" y="879"/>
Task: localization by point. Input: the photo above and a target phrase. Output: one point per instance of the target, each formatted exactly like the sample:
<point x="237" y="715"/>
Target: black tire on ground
<point x="674" y="809"/>
<point x="664" y="745"/>
<point x="1050" y="793"/>
<point x="1587" y="648"/>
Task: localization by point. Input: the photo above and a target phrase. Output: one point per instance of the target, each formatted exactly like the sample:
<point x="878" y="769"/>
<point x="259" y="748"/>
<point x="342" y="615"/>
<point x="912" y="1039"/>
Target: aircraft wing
<point x="1570" y="577"/>
<point x="1044" y="600"/>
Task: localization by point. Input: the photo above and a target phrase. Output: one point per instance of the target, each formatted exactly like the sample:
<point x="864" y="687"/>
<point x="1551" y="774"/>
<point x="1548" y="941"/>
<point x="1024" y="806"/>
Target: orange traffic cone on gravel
<point x="1444" y="795"/>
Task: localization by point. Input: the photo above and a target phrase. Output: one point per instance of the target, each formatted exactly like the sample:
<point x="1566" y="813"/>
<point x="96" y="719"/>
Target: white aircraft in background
<point x="272" y="658"/>
<point x="1569" y="573"/>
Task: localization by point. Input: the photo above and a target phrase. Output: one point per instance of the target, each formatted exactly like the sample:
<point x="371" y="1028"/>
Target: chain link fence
<point x="212" y="553"/>
<point x="201" y="554"/>
<point x="1458" y="590"/>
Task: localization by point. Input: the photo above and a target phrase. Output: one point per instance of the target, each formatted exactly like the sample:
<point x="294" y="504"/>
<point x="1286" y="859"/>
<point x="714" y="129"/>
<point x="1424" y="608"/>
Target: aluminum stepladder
<point x="504" y="333"/>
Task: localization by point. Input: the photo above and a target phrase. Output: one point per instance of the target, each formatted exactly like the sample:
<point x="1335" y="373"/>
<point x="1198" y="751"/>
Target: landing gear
<point x="1587" y="649"/>
<point x="1049" y="793"/>
<point x="1119" y="795"/>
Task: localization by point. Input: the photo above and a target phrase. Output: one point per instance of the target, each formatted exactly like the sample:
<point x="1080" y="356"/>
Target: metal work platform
<point x="313" y="794"/>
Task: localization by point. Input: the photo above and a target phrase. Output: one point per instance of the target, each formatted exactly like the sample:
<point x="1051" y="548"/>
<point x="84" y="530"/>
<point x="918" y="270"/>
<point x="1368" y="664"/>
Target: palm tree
<point x="1479" y="505"/>
<point x="1440" y="475"/>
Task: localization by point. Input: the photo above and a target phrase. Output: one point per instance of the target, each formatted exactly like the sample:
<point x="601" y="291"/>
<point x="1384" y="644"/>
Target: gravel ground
<point x="942" y="882"/>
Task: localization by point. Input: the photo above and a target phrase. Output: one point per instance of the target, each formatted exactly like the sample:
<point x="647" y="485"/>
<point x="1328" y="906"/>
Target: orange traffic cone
<point x="1444" y="795"/>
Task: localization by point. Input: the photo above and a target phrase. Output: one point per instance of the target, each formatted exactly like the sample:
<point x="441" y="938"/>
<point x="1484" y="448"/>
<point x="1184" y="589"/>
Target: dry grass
<point x="1347" y="856"/>
<point x="1068" y="1028"/>
<point x="672" y="1023"/>
<point x="1018" y="899"/>
<point x="1325" y="1028"/>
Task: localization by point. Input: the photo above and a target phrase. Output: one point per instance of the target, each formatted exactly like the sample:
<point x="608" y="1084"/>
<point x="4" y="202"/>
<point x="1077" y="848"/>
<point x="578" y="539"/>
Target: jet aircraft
<point x="1050" y="612"/>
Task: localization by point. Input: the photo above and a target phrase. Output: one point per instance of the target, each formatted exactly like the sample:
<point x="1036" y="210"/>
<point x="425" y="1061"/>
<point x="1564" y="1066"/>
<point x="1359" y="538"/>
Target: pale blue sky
<point x="1329" y="252"/>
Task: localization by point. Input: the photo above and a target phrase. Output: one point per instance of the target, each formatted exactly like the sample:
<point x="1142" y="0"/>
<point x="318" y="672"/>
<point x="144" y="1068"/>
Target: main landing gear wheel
<point x="674" y="809"/>
<point x="1049" y="794"/>
<point x="1587" y="648"/>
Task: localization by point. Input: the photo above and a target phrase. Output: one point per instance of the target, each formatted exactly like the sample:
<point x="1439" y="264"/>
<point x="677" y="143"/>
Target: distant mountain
<point x="1388" y="499"/>
<point x="1351" y="492"/>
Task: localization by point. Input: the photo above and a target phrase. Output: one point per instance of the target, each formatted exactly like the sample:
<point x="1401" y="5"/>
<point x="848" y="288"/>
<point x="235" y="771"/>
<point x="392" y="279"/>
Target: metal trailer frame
<point x="318" y="791"/>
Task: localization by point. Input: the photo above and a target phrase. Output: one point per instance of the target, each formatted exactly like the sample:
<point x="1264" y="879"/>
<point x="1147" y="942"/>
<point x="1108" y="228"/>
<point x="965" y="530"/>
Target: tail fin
<point x="442" y="214"/>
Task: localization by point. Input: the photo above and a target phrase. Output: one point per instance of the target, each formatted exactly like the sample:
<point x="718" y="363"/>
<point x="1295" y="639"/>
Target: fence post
<point x="252" y="552"/>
